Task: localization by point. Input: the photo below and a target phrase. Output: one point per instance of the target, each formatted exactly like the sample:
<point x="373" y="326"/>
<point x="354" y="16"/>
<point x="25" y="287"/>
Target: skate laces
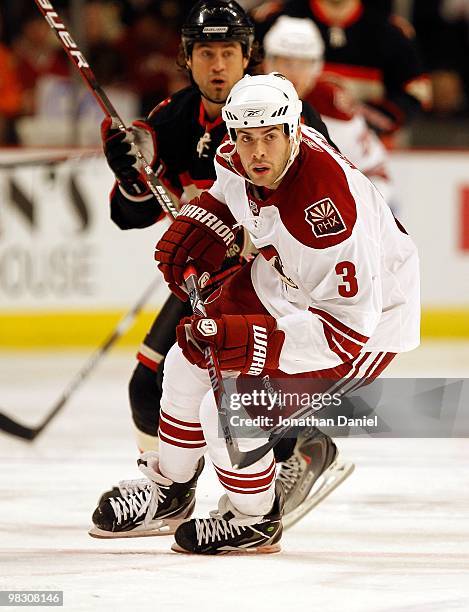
<point x="290" y="472"/>
<point x="139" y="503"/>
<point x="143" y="495"/>
<point x="217" y="528"/>
<point x="127" y="487"/>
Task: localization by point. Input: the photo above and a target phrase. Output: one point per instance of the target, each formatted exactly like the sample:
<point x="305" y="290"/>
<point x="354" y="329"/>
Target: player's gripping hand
<point x="247" y="343"/>
<point x="201" y="233"/>
<point x="120" y="151"/>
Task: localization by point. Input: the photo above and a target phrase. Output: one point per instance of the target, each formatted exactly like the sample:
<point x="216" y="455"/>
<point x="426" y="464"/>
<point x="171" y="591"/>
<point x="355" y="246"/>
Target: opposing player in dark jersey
<point x="179" y="139"/>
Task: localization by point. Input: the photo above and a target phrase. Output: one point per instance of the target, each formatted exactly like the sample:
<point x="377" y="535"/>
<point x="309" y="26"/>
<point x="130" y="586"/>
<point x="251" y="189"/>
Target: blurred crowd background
<point x="132" y="47"/>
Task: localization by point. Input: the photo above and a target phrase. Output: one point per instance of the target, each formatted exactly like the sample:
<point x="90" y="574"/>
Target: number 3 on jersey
<point x="346" y="270"/>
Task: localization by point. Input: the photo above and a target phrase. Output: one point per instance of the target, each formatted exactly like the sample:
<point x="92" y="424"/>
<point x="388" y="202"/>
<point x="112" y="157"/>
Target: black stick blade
<point x="249" y="457"/>
<point x="16" y="429"/>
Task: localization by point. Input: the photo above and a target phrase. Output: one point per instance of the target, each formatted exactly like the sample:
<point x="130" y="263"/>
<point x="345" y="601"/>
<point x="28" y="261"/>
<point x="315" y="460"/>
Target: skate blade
<point x="330" y="480"/>
<point x="168" y="528"/>
<point x="261" y="550"/>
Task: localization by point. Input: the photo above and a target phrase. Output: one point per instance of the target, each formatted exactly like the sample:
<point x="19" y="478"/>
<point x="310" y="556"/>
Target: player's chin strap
<point x="294" y="150"/>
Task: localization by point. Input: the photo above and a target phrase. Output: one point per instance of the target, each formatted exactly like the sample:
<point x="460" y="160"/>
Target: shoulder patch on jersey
<point x="324" y="218"/>
<point x="315" y="203"/>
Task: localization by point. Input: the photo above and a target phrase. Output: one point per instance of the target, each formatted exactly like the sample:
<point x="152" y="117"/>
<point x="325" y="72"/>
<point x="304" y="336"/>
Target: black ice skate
<point x="310" y="474"/>
<point x="149" y="507"/>
<point x="228" y="531"/>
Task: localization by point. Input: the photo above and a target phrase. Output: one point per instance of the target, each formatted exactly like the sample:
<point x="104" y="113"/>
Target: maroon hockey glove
<point x="202" y="233"/>
<point x="248" y="343"/>
<point x="121" y="157"/>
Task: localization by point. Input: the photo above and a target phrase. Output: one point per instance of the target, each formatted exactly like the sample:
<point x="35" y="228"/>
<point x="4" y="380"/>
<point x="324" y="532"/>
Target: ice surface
<point x="394" y="537"/>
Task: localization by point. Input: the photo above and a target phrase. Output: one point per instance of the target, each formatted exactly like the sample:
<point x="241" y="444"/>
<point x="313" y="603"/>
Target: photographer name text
<point x="237" y="420"/>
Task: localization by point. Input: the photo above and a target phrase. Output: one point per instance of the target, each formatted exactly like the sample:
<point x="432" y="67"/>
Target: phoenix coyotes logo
<point x="271" y="255"/>
<point x="324" y="218"/>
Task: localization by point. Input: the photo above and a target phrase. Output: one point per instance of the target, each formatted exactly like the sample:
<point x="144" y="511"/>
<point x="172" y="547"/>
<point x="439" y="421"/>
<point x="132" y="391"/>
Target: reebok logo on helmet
<point x="254" y="112"/>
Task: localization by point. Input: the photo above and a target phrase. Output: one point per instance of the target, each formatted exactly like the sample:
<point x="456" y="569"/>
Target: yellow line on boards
<point x="63" y="329"/>
<point x="445" y="323"/>
<point x="89" y="329"/>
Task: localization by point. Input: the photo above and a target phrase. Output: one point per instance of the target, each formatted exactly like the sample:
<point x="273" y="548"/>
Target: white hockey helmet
<point x="263" y="100"/>
<point x="295" y="38"/>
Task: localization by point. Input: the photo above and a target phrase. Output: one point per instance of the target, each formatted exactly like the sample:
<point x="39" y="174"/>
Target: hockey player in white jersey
<point x="309" y="468"/>
<point x="294" y="47"/>
<point x="334" y="290"/>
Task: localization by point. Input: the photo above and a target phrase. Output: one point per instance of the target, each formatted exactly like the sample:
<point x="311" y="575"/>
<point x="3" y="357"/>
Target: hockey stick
<point x="14" y="428"/>
<point x="214" y="371"/>
<point x="163" y="199"/>
<point x="275" y="436"/>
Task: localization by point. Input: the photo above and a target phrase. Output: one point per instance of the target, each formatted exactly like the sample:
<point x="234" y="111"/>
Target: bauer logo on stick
<point x="53" y="20"/>
<point x="324" y="218"/>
